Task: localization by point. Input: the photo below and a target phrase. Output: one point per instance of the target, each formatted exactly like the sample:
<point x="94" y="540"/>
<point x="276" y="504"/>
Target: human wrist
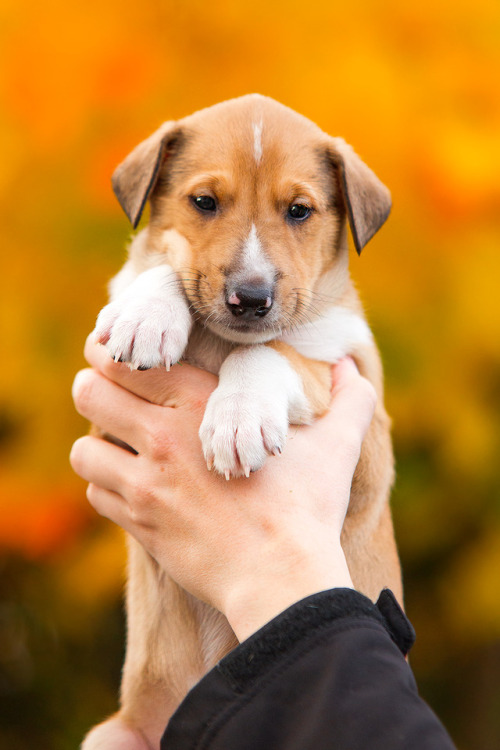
<point x="259" y="598"/>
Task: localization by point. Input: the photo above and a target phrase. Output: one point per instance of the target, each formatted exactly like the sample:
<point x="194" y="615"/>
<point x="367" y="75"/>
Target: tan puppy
<point x="242" y="270"/>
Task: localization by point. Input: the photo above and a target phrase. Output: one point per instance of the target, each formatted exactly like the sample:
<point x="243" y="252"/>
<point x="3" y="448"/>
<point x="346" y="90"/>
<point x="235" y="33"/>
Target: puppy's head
<point x="249" y="204"/>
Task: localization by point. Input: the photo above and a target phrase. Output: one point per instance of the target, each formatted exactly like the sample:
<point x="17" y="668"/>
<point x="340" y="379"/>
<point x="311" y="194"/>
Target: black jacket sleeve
<point x="328" y="673"/>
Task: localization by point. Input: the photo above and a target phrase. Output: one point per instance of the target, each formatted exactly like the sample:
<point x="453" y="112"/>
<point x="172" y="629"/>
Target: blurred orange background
<point x="414" y="87"/>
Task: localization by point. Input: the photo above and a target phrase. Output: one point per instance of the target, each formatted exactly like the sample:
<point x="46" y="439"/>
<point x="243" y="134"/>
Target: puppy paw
<point x="144" y="330"/>
<point x="247" y="416"/>
<point x="238" y="433"/>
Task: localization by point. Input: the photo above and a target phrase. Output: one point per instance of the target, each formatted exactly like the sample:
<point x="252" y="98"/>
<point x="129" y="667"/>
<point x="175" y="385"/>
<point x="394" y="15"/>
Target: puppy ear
<point x="134" y="179"/>
<point x="367" y="200"/>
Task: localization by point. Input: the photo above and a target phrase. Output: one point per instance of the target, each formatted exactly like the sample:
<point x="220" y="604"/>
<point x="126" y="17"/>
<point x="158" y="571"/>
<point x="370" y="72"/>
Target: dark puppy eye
<point x="205" y="203"/>
<point x="299" y="211"/>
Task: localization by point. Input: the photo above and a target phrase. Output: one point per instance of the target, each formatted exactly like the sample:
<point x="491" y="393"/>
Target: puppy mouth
<point x="256" y="330"/>
<point x="249" y="327"/>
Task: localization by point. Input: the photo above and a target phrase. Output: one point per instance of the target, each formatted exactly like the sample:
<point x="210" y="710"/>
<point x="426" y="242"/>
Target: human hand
<point x="249" y="547"/>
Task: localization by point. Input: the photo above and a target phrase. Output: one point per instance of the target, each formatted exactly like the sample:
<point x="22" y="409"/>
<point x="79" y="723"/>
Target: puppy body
<point x="230" y="276"/>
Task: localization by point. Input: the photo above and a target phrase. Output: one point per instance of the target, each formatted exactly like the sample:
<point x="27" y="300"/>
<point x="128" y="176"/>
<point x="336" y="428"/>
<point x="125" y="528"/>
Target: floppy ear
<point x="367" y="200"/>
<point x="134" y="179"/>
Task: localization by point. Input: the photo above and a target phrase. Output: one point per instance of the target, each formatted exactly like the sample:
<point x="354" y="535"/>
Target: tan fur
<point x="172" y="638"/>
<point x="316" y="377"/>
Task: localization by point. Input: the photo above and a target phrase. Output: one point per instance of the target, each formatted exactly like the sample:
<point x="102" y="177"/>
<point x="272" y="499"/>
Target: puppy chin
<point x="242" y="336"/>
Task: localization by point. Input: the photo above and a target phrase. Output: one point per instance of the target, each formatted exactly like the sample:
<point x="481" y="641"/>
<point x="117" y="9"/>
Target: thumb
<point x="353" y="404"/>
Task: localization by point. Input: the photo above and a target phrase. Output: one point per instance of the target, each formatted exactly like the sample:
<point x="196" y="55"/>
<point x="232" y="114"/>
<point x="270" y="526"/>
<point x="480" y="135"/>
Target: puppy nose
<point x="250" y="300"/>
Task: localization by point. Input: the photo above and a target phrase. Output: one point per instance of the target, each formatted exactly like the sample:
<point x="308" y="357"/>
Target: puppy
<point x="243" y="271"/>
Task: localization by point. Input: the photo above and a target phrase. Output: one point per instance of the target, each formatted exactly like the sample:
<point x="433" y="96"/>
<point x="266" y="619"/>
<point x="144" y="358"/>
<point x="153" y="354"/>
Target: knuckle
<point x="137" y="492"/>
<point x="198" y="402"/>
<point x="141" y="495"/>
<point x="139" y="508"/>
<point x="158" y="442"/>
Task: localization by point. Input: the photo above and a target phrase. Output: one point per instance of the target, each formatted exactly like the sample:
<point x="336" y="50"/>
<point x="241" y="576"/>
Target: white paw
<point x="145" y="331"/>
<point x="238" y="432"/>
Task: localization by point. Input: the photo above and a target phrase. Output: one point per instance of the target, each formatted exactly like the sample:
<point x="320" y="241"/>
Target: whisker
<point x="190" y="269"/>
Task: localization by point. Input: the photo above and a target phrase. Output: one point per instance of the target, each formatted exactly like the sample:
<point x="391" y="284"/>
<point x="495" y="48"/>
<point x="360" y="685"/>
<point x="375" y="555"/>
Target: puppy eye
<point x="299" y="211"/>
<point x="205" y="203"/>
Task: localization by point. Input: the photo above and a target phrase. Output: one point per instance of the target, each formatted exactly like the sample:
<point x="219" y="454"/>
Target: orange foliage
<point x="39" y="521"/>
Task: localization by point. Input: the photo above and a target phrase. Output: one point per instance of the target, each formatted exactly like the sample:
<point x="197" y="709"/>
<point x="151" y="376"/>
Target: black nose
<point x="250" y="301"/>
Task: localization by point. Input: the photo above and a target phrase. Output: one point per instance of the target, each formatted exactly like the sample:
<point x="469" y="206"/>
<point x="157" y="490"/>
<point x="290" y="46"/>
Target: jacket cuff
<point x="321" y="611"/>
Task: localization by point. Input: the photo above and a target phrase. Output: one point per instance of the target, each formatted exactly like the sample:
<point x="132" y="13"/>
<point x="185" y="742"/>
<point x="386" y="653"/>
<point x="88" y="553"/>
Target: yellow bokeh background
<point x="415" y="88"/>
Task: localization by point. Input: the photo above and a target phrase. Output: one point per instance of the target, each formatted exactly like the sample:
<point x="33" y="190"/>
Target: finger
<point x="114" y="409"/>
<point x="184" y="385"/>
<point x="109" y="505"/>
<point x="353" y="397"/>
<point x="102" y="463"/>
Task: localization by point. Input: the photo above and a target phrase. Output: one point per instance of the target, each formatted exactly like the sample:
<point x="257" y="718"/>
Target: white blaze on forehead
<point x="257" y="141"/>
<point x="253" y="259"/>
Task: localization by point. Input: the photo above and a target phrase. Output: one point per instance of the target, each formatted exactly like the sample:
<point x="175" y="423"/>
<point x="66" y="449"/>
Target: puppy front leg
<point x="260" y="393"/>
<point x="315" y="376"/>
<point x="147" y="323"/>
